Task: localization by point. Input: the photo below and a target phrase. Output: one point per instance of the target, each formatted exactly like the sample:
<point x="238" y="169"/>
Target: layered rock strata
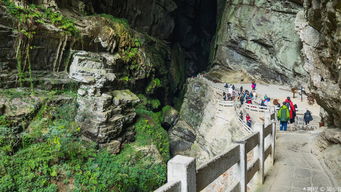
<point x="103" y="116"/>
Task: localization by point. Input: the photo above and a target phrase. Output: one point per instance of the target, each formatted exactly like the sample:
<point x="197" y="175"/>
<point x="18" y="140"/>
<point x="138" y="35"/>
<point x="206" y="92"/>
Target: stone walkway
<point x="296" y="169"/>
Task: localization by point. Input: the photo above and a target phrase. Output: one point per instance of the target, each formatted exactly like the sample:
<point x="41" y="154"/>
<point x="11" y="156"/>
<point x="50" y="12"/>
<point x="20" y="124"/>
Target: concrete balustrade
<point x="183" y="176"/>
<point x="256" y="108"/>
<point x="226" y="103"/>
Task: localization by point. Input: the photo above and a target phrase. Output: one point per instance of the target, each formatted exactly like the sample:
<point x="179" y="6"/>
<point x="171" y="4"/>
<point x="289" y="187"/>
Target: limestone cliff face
<point x="319" y="27"/>
<point x="204" y="129"/>
<point x="290" y="42"/>
<point x="106" y="60"/>
<point x="259" y="37"/>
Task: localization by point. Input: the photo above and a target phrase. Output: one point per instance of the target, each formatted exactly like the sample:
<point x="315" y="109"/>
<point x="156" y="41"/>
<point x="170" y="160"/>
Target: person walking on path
<point x="307" y="117"/>
<point x="241" y="115"/>
<point x="241" y="89"/>
<point x="255" y="94"/>
<point x="292" y="109"/>
<point x="224" y="96"/>
<point x="248" y="120"/>
<point x="253" y="85"/>
<point x="248" y="99"/>
<point x="241" y="99"/>
<point x="283" y="116"/>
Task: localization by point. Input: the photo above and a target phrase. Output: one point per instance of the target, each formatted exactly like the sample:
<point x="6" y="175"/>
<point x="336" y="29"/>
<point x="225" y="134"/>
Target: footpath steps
<point x="182" y="174"/>
<point x="296" y="168"/>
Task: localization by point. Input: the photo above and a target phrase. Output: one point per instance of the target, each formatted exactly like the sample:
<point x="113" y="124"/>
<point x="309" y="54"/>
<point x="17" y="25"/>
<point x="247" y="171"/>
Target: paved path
<point x="296" y="169"/>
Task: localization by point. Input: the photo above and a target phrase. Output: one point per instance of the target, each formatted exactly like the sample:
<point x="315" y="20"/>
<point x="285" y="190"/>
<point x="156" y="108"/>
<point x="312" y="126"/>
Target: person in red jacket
<point x="248" y="120"/>
<point x="291" y="108"/>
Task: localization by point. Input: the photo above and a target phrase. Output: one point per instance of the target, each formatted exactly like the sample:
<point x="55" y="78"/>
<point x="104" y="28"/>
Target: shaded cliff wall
<point x="188" y="26"/>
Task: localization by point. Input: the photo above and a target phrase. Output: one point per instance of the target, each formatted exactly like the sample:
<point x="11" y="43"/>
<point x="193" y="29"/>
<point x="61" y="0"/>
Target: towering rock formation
<point x="319" y="26"/>
<point x="259" y="37"/>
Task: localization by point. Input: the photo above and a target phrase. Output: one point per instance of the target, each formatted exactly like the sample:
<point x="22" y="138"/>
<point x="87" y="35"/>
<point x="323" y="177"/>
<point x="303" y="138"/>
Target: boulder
<point x="182" y="136"/>
<point x="332" y="136"/>
<point x="113" y="146"/>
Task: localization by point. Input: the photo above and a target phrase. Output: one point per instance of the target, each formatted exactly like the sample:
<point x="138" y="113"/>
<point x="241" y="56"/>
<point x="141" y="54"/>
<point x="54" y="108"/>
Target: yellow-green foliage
<point x="115" y="19"/>
<point x="33" y="14"/>
<point x="154" y="84"/>
<point x="50" y="154"/>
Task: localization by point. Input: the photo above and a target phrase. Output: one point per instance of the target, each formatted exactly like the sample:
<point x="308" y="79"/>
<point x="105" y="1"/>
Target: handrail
<point x="182" y="169"/>
<point x="245" y="126"/>
<point x="257" y="108"/>
<point x="226" y="103"/>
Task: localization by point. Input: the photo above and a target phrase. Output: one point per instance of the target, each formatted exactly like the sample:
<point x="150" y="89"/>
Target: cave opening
<point x="190" y="24"/>
<point x="195" y="27"/>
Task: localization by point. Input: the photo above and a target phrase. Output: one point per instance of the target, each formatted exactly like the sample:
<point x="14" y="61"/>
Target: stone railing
<point x="183" y="176"/>
<point x="226" y="103"/>
<point x="257" y="108"/>
<point x="244" y="125"/>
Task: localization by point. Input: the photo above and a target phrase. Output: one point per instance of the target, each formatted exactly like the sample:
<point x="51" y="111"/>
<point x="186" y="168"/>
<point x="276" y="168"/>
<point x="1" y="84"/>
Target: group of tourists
<point x="246" y="96"/>
<point x="265" y="102"/>
<point x="287" y="113"/>
<point x="231" y="92"/>
<point x="247" y="118"/>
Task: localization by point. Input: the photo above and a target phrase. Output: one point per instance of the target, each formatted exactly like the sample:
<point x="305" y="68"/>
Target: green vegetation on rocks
<point x="49" y="154"/>
<point x="115" y="19"/>
<point x="154" y="84"/>
<point x="29" y="19"/>
<point x="32" y="14"/>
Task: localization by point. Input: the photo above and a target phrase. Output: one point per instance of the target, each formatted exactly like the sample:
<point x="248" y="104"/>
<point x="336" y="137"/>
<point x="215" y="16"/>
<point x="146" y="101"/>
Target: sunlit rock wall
<point x="259" y="37"/>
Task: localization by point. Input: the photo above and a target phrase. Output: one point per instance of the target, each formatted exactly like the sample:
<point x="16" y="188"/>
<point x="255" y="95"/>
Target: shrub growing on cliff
<point x="53" y="157"/>
<point x="154" y="84"/>
<point x="122" y="21"/>
<point x="36" y="14"/>
<point x="29" y="19"/>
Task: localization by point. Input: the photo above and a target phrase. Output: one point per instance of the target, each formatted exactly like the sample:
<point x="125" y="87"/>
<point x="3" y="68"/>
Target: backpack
<point x="288" y="105"/>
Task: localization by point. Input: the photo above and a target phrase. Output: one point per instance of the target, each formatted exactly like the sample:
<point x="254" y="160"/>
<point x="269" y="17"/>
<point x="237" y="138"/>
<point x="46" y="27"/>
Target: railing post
<point x="242" y="166"/>
<point x="181" y="168"/>
<point x="273" y="141"/>
<point x="267" y="118"/>
<point x="261" y="154"/>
